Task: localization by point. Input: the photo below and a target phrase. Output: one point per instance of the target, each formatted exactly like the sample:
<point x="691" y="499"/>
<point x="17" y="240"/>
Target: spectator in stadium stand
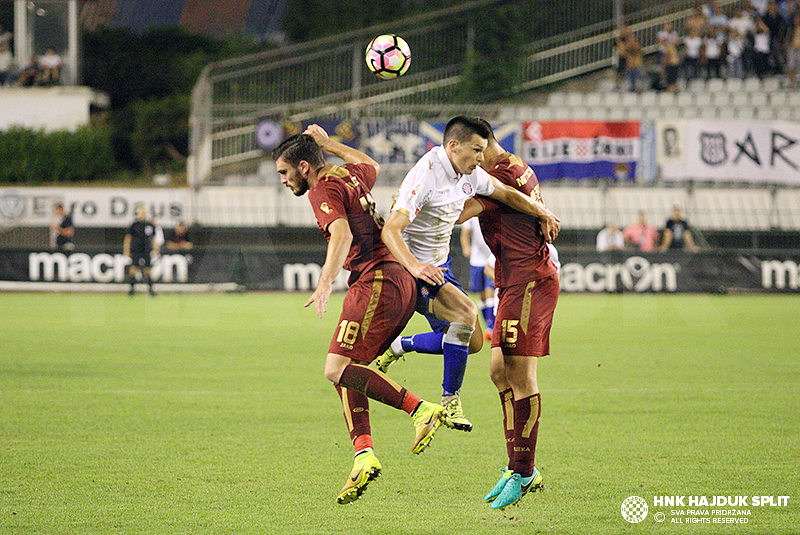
<point x="6" y="61"/>
<point x="29" y="76"/>
<point x="641" y="235"/>
<point x="744" y="24"/>
<point x="696" y="23"/>
<point x="671" y="67"/>
<point x="634" y="61"/>
<point x="793" y="50"/>
<point x="761" y="48"/>
<point x="610" y="238"/>
<point x="140" y="245"/>
<point x="63" y="230"/>
<point x="5" y="37"/>
<point x="50" y="64"/>
<point x="713" y="14"/>
<point x="735" y="48"/>
<point x="623" y="38"/>
<point x="677" y="234"/>
<point x="712" y="50"/>
<point x="777" y="37"/>
<point x="179" y="238"/>
<point x="665" y="36"/>
<point x="379" y="301"/>
<point x="692" y="49"/>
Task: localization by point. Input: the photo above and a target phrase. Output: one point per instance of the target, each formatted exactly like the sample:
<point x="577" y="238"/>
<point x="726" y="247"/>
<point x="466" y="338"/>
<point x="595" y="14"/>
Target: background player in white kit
<point x="418" y="233"/>
<point x="475" y="249"/>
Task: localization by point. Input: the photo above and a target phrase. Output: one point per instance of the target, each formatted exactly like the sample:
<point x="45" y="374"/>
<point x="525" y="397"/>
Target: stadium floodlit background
<point x="204" y="410"/>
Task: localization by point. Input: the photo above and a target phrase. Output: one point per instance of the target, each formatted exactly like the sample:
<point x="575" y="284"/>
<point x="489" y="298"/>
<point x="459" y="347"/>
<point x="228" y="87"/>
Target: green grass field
<point x="209" y="414"/>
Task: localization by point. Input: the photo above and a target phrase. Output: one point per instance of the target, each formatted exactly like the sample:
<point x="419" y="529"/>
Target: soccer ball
<point x="388" y="56"/>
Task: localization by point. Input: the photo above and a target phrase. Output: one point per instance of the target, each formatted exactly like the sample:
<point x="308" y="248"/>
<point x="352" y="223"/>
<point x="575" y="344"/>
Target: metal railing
<point x="327" y="78"/>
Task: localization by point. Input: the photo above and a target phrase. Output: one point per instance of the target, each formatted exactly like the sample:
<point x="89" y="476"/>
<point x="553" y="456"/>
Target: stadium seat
<point x="574" y="99"/>
<point x="669" y="112"/>
<point x="598" y="113"/>
<point x="689" y="112"/>
<point x="611" y="99"/>
<point x="726" y="113"/>
<point x="708" y="112"/>
<point x="579" y="112"/>
<point x="542" y="114"/>
<point x="721" y="98"/>
<point x="685" y="99"/>
<point x="771" y="84"/>
<point x="702" y="99"/>
<point x="715" y="84"/>
<point x="783" y="113"/>
<point x="557" y="99"/>
<point x="744" y="112"/>
<point x="752" y="84"/>
<point x="764" y="112"/>
<point x="796" y="114"/>
<point x="615" y="113"/>
<point x="794" y="99"/>
<point x="648" y="98"/>
<point x="740" y="99"/>
<point x="630" y="99"/>
<point x="592" y="100"/>
<point x="778" y="98"/>
<point x="759" y="98"/>
<point x="734" y="84"/>
<point x="698" y="85"/>
<point x="665" y="98"/>
<point x="607" y="86"/>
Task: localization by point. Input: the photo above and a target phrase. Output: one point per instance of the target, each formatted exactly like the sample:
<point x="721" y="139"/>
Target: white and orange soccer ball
<point x="388" y="56"/>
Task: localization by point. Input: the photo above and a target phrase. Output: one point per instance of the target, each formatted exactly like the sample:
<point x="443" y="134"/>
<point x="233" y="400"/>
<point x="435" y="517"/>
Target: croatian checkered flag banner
<point x="634" y="509"/>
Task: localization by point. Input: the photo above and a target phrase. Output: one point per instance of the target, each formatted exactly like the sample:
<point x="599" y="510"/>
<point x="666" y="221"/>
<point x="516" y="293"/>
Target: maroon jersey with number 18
<point x="515" y="239"/>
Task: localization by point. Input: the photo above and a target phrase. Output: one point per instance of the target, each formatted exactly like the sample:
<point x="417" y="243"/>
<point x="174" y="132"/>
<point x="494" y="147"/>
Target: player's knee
<point x="498" y="376"/>
<point x="333" y="371"/>
<point x="467" y="311"/>
<point x="476" y="341"/>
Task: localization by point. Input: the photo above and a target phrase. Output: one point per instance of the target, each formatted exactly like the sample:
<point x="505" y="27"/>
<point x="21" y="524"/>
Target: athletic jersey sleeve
<point x="483" y="185"/>
<point x="365" y="172"/>
<point x="328" y="203"/>
<point x="415" y="192"/>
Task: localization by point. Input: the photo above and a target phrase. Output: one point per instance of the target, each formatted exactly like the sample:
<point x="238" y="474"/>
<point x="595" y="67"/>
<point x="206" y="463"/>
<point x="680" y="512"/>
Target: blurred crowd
<point x="44" y="70"/>
<point x="762" y="39"/>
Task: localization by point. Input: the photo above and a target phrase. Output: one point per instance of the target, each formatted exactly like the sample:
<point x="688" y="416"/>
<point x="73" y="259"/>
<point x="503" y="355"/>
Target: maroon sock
<point x="526" y="431"/>
<point x="374" y="384"/>
<point x="355" y="406"/>
<point x="507" y="402"/>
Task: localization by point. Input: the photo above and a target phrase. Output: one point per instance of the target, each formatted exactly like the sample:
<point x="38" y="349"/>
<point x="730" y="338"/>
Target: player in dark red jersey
<point x="528" y="287"/>
<point x="380" y="299"/>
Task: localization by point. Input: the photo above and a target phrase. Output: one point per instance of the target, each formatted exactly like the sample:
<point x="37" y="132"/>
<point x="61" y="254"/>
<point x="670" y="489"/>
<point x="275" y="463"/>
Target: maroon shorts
<point x="376" y="309"/>
<point x="524" y="317"/>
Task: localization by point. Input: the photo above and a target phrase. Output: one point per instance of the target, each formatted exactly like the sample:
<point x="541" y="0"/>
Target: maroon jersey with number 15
<point x="514" y="238"/>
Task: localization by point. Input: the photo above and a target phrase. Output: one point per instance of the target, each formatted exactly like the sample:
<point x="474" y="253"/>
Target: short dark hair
<point x="488" y="127"/>
<point x="300" y="147"/>
<point x="461" y="128"/>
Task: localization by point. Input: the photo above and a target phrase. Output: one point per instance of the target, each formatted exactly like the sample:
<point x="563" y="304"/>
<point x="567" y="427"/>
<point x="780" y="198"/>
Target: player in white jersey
<point x="475" y="249"/>
<point x="418" y="233"/>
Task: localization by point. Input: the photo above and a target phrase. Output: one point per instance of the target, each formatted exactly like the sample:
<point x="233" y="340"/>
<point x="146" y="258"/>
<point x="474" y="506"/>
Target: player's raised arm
<point x="338" y="248"/>
<point x="348" y="154"/>
<point x="522" y="203"/>
<point x="393" y="238"/>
